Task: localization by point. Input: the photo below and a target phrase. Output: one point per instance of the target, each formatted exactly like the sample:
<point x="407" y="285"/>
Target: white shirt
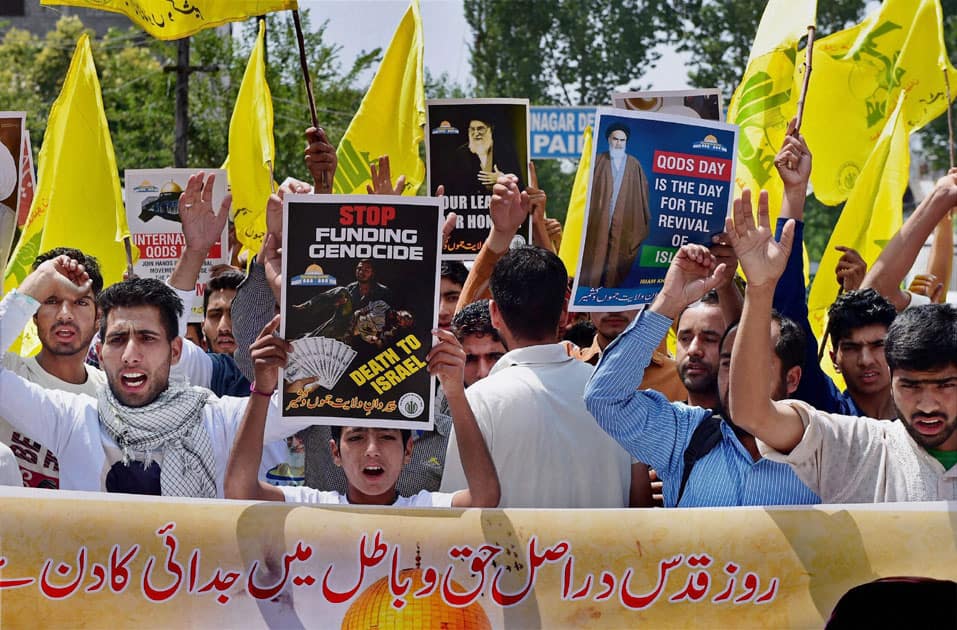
<point x="305" y="494"/>
<point x="69" y="423"/>
<point x="547" y="448"/>
<point x="850" y="459"/>
<point x="36" y="461"/>
<point x="9" y="468"/>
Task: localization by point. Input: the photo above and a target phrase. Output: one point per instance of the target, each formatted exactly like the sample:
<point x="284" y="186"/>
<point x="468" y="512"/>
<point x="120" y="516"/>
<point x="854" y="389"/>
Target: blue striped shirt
<point x="657" y="432"/>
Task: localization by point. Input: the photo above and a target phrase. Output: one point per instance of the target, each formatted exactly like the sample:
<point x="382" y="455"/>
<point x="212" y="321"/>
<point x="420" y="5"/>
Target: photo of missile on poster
<point x="657" y="182"/>
<point x="706" y="104"/>
<point x="359" y="302"/>
<point x="152" y="213"/>
<point x="469" y="144"/>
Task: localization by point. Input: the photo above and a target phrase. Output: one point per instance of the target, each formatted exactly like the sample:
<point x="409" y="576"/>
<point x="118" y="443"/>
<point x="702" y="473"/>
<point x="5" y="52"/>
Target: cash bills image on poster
<point x="152" y="213"/>
<point x="359" y="302"/>
<point x="706" y="104"/>
<point x="469" y="144"/>
<point x="657" y="182"/>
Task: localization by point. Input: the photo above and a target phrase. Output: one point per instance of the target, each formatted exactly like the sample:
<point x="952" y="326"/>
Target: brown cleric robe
<point x="610" y="250"/>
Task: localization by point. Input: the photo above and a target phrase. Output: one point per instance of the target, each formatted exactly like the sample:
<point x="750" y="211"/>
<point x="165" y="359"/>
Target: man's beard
<point x="617" y="154"/>
<point x="481" y="148"/>
<point x="931" y="441"/>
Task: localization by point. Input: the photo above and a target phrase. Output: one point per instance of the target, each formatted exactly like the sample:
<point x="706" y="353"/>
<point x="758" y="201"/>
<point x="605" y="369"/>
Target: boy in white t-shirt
<point x="371" y="458"/>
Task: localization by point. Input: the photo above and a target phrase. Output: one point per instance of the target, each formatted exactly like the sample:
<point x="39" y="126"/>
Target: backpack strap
<point x="705" y="437"/>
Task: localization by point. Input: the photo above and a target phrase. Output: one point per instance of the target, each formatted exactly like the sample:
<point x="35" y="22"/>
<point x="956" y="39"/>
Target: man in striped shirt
<point x="658" y="432"/>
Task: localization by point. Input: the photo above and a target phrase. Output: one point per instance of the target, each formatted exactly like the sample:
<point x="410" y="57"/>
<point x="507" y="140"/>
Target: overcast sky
<point x="364" y="24"/>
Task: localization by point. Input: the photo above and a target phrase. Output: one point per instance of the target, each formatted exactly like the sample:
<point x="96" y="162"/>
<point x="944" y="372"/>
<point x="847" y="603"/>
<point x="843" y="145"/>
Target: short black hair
<point x="855" y="309"/>
<point x="790" y="346"/>
<point x="455" y="271"/>
<point x="528" y="285"/>
<point x="230" y="279"/>
<point x="474" y="319"/>
<point x="581" y="333"/>
<point x="922" y="338"/>
<point x="612" y="128"/>
<point x="142" y="292"/>
<point x="792" y="342"/>
<point x="710" y="299"/>
<point x="336" y="432"/>
<point x="90" y="263"/>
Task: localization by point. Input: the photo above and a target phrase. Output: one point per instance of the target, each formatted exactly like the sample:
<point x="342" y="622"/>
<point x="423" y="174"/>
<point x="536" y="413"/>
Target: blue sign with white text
<point x="556" y="132"/>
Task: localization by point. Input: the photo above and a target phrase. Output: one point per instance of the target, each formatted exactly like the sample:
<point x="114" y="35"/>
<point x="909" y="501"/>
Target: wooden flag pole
<point x="950" y="120"/>
<point x="807" y="77"/>
<point x="305" y="75"/>
<point x="129" y="257"/>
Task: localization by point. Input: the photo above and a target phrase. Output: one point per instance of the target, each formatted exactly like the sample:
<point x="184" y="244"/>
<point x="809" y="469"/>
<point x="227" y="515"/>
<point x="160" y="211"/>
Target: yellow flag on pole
<point x="859" y="74"/>
<point x="78" y="201"/>
<point x="391" y="117"/>
<point x="571" y="246"/>
<point x="252" y="150"/>
<point x="174" y="19"/>
<point x="766" y="98"/>
<point x="872" y="214"/>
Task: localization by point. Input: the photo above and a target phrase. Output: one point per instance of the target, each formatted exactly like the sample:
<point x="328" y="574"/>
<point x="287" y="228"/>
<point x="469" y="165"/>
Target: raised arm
<point x="508" y="208"/>
<point x="382" y="179"/>
<point x="447" y="363"/>
<point x="793" y="163"/>
<point x="537" y="200"/>
<point x="900" y="253"/>
<point x="645" y="423"/>
<point x="321" y="160"/>
<point x="763" y="261"/>
<point x="269" y="353"/>
<point x="202" y="227"/>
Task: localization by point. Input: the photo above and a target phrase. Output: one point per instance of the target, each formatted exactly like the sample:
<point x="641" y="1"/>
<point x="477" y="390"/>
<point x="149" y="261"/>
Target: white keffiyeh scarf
<point x="171" y="423"/>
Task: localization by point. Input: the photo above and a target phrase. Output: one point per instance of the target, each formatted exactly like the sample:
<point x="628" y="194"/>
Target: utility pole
<point x="181" y="127"/>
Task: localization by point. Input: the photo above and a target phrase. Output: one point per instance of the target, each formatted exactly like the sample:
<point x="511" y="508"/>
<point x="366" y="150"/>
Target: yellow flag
<point x="872" y="215"/>
<point x="766" y="98"/>
<point x="858" y="75"/>
<point x="391" y="117"/>
<point x="173" y="19"/>
<point x="78" y="202"/>
<point x="575" y="218"/>
<point x="252" y="149"/>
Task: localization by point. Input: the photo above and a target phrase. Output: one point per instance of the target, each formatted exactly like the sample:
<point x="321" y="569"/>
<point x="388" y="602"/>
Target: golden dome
<point x="373" y="609"/>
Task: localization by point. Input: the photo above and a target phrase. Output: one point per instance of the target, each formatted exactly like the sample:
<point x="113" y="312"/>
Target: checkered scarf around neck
<point x="171" y="423"/>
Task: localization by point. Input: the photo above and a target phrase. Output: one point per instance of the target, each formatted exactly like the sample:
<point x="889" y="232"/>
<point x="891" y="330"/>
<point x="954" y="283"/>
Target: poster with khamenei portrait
<point x="469" y="144"/>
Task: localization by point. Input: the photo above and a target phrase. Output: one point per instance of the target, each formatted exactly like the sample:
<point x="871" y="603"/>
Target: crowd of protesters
<point x="126" y="396"/>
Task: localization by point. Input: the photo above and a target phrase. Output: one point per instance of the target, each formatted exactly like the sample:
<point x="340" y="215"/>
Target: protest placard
<point x="706" y="104"/>
<point x="12" y="135"/>
<point x="152" y="213"/>
<point x="657" y="182"/>
<point x="469" y="144"/>
<point x="359" y="303"/>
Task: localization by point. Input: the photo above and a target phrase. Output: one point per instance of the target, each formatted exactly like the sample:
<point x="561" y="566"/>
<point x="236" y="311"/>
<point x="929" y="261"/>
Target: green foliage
<point x="718" y="35"/>
<point x="564" y="52"/>
<point x="567" y="52"/>
<point x="935" y="135"/>
<point x="139" y="88"/>
<point x="819" y="222"/>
